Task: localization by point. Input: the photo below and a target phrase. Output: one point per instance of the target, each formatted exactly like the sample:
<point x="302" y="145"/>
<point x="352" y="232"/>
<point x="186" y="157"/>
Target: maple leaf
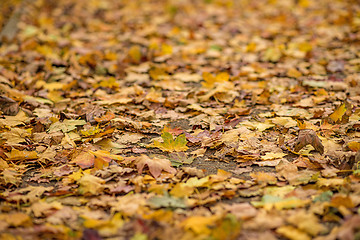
<point x="340" y="114"/>
<point x="155" y="165"/>
<point x="11" y="176"/>
<point x="65" y="126"/>
<point x="16" y="135"/>
<point x="12" y="121"/>
<point x="210" y="79"/>
<point x="170" y="144"/>
<point x="98" y="158"/>
<point x="180" y="158"/>
<point x="91" y="184"/>
<point x="84" y="160"/>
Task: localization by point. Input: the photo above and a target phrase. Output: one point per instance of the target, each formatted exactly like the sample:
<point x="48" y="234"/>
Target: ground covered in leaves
<point x="183" y="119"/>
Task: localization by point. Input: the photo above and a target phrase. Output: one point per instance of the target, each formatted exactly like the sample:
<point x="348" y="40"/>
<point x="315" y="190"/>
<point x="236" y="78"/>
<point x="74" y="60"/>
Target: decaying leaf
<point x="90" y="184"/>
<point x="306" y="137"/>
<point x="230" y="83"/>
<point x="156" y="165"/>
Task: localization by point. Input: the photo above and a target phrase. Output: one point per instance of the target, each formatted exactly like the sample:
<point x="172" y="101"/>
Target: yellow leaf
<point x="3" y="164"/>
<point x="55" y="96"/>
<point x="166" y="49"/>
<point x="10" y="175"/>
<point x="170" y="144"/>
<point x="210" y="79"/>
<point x="286" y="122"/>
<point x="18" y="219"/>
<point x="272" y="54"/>
<point x="272" y="156"/>
<point x="135" y="53"/>
<point x="16" y="135"/>
<point x="91" y="184"/>
<point x="12" y="121"/>
<point x="181" y="190"/>
<point x="354" y="146"/>
<point x="75" y="176"/>
<point x="338" y="113"/>
<point x="262" y="177"/>
<point x="292" y="233"/>
<point x="199" y="224"/>
<point x="103" y="158"/>
<point x="334" y="182"/>
<point x="307" y="222"/>
<point x="106" y="154"/>
<point x="157" y="73"/>
<point x="54" y="86"/>
<point x="154" y="96"/>
<point x="293" y="73"/>
<point x="15" y="155"/>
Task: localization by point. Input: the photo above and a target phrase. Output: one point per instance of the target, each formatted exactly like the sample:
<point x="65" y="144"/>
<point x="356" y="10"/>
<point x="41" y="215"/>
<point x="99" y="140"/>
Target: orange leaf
<point x="105" y="118"/>
<point x="84" y="160"/>
<point x="354" y="146"/>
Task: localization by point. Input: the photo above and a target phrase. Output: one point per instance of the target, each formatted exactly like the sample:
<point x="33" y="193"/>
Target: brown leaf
<point x="156" y="165"/>
<point x="8" y="106"/>
<point x="308" y="136"/>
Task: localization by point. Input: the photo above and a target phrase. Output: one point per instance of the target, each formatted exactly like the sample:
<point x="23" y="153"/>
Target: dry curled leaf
<point x="306" y="137"/>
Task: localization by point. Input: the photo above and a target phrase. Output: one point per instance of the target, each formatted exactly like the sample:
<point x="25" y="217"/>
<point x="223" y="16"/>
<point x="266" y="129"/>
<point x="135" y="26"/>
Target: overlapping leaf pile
<point x="181" y="120"/>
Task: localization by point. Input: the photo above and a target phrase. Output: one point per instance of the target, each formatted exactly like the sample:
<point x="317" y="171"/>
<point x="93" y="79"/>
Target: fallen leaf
<point x="292" y="233"/>
<point x="308" y="223"/>
<point x="65" y="126"/>
<point x="339" y="114"/>
<point x="12" y="121"/>
<point x="17" y="155"/>
<point x="84" y="160"/>
<point x="354" y="146"/>
<point x="16" y="135"/>
<point x="155" y="165"/>
<point x="210" y="79"/>
<point x="170" y="144"/>
<point x="199" y="224"/>
<point x="308" y="136"/>
<point x="91" y="184"/>
<point x="167" y="202"/>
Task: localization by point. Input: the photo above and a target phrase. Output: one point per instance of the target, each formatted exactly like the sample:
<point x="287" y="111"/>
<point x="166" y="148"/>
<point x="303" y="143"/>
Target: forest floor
<point x="161" y="119"/>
